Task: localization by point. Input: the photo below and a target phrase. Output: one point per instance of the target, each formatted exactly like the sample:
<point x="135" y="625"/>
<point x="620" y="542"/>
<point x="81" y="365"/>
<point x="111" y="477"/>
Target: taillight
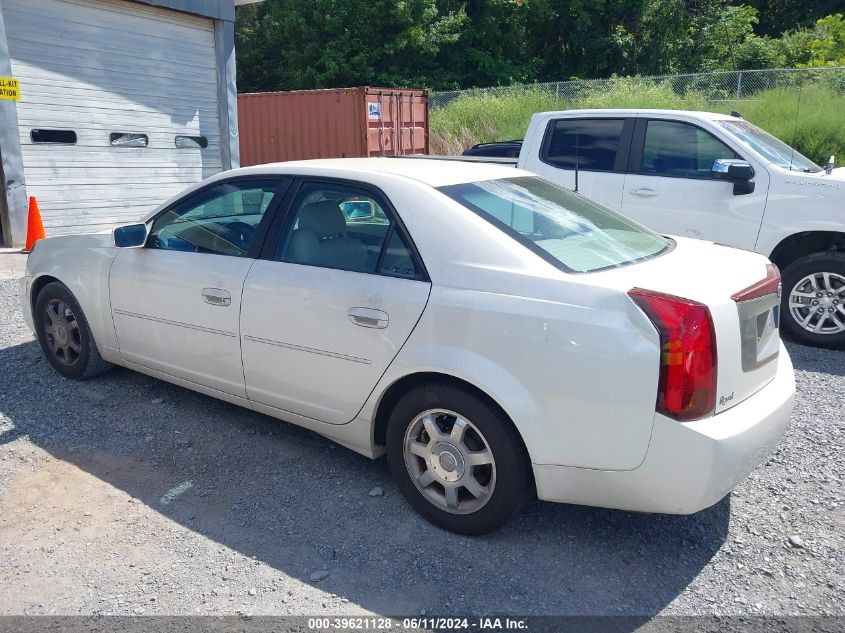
<point x="767" y="286"/>
<point x="687" y="385"/>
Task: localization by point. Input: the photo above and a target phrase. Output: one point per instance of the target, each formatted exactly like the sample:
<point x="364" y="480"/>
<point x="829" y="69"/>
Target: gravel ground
<point x="127" y="495"/>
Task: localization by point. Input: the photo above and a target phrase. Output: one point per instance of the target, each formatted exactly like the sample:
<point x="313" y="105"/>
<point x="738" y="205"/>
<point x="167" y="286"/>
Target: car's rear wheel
<point x="813" y="301"/>
<point x="64" y="334"/>
<point x="457" y="459"/>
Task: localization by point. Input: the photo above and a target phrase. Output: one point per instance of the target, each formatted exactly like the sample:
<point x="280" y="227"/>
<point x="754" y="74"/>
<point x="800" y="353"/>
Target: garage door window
<point x="592" y="144"/>
<point x="221" y="220"/>
<point x="122" y="139"/>
<point x="680" y="150"/>
<point x="191" y="142"/>
<point x="60" y="137"/>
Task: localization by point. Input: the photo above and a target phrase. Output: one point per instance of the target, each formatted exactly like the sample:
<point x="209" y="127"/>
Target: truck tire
<point x="813" y="300"/>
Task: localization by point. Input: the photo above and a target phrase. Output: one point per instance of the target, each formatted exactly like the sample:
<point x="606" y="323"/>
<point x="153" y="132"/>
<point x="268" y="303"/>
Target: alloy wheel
<point x="62" y="329"/>
<point x="449" y="461"/>
<point x="817" y="303"/>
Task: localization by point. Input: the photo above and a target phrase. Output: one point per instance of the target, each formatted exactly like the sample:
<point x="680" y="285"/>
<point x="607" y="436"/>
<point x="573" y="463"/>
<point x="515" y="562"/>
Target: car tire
<point x="483" y="463"/>
<point x="807" y="276"/>
<point x="64" y="334"/>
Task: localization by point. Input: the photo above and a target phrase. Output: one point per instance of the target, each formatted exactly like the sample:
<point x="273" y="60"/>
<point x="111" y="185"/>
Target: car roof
<point x="712" y="116"/>
<point x="432" y="172"/>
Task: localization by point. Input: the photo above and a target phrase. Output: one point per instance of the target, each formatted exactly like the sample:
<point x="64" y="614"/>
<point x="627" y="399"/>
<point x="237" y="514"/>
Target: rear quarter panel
<point x="80" y="262"/>
<point x="577" y="374"/>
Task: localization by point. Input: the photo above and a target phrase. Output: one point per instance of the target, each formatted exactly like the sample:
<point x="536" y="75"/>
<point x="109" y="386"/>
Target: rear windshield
<point x="563" y="227"/>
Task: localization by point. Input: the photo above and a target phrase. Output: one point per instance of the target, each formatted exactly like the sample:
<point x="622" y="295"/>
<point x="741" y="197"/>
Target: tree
<point x="827" y="44"/>
<point x="673" y="37"/>
<point x="449" y="44"/>
<point x="490" y="49"/>
<point x="287" y="44"/>
<point x="780" y="16"/>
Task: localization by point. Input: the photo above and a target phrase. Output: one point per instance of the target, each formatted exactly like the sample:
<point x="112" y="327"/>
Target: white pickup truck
<point x="714" y="177"/>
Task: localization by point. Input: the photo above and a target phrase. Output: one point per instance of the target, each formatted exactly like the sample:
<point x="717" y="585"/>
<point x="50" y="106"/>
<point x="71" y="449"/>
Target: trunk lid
<point x="746" y="331"/>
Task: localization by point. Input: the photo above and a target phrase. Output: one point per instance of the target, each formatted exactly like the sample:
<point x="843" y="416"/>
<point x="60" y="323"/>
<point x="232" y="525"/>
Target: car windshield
<point x="563" y="227"/>
<point x="769" y="147"/>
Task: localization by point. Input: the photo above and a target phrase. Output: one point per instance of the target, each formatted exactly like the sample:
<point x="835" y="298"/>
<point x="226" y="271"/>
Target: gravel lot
<point x="127" y="495"/>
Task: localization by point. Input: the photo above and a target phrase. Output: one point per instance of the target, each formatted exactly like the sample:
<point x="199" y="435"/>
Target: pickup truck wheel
<point x="457" y="460"/>
<point x="64" y="334"/>
<point x="813" y="300"/>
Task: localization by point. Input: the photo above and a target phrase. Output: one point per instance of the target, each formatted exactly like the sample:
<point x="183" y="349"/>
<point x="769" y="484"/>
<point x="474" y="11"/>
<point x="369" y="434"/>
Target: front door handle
<point x="216" y="296"/>
<point x="645" y="192"/>
<point x="369" y="317"/>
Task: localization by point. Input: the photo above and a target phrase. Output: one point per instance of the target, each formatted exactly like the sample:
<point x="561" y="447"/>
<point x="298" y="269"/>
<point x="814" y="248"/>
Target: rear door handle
<point x="369" y="317"/>
<point x="645" y="192"/>
<point x="216" y="296"/>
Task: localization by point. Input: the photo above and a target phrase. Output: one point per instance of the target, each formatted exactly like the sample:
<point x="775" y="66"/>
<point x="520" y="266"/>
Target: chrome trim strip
<point x="300" y="348"/>
<point x="176" y="323"/>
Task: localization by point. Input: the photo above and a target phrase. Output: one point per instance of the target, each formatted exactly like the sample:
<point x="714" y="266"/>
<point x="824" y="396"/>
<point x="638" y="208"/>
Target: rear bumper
<point x="688" y="466"/>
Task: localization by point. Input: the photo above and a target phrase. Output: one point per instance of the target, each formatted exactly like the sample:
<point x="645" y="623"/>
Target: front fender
<point x="800" y="204"/>
<point x="80" y="262"/>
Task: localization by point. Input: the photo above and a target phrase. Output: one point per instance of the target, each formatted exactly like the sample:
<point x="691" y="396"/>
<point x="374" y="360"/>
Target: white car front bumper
<point x="26" y="307"/>
<point x="689" y="466"/>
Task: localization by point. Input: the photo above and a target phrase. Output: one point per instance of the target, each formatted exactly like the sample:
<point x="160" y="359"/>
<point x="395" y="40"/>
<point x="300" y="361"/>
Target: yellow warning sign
<point x="10" y="89"/>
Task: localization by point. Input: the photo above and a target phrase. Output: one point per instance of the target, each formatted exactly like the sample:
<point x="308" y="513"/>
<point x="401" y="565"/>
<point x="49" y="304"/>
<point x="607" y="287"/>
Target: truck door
<point x="669" y="187"/>
<point x="598" y="146"/>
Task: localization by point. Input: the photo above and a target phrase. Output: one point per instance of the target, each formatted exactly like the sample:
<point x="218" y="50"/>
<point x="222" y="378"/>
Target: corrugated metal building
<point x="121" y="105"/>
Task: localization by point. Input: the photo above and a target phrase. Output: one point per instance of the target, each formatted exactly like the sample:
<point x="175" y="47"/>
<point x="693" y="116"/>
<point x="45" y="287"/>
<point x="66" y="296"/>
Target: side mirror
<point x="734" y="170"/>
<point x="731" y="169"/>
<point x="130" y="236"/>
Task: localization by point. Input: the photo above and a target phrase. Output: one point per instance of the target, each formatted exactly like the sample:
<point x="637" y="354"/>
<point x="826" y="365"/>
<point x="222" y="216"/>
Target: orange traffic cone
<point x="34" y="228"/>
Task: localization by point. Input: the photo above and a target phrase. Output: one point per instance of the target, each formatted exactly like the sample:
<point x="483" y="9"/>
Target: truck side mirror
<point x="734" y="170"/>
<point x="130" y="236"/>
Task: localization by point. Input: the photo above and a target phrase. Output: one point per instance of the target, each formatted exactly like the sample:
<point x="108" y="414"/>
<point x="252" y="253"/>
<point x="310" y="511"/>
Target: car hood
<point x="87" y="240"/>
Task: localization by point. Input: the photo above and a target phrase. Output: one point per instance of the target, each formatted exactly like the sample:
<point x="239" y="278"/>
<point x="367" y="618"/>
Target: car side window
<point x="346" y="228"/>
<point x="592" y="144"/>
<point x="221" y="220"/>
<point x="672" y="148"/>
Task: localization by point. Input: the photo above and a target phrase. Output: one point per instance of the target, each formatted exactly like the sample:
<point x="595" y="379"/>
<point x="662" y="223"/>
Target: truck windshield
<point x="562" y="227"/>
<point x="769" y="147"/>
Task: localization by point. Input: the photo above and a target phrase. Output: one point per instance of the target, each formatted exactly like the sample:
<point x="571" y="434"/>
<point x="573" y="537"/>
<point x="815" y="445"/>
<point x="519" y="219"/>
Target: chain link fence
<point x="715" y="86"/>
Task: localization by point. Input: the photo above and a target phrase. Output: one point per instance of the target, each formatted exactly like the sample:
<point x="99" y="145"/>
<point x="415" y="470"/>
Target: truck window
<point x="681" y="150"/>
<point x="771" y="148"/>
<point x="592" y="144"/>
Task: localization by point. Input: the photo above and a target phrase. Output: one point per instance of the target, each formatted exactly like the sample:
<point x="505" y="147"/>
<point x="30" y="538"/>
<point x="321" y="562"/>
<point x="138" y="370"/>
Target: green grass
<point x="811" y="120"/>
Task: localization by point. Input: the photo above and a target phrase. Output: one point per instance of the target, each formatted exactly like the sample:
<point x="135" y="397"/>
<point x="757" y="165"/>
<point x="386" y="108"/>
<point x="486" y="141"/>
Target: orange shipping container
<point x="332" y="123"/>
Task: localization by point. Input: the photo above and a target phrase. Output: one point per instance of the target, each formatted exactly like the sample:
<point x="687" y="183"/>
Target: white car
<point x="498" y="336"/>
<point x="713" y="177"/>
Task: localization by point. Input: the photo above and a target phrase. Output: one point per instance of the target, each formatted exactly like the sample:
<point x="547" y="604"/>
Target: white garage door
<point x="99" y="79"/>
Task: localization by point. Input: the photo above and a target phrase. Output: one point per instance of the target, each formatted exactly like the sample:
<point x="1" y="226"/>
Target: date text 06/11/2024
<point x="417" y="623"/>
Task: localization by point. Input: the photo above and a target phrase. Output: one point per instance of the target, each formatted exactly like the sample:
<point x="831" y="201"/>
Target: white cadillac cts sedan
<point x="499" y="337"/>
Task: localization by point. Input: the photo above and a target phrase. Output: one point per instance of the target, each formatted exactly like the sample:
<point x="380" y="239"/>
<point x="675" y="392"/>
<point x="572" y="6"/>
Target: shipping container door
<point x="107" y="86"/>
